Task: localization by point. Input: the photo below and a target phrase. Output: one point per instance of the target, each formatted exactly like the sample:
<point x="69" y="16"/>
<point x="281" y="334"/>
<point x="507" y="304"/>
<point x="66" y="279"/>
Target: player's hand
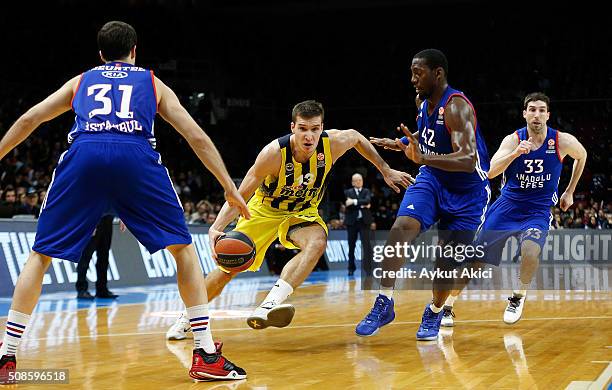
<point x="385" y="143"/>
<point x="566" y="201"/>
<point x="411" y="150"/>
<point x="213" y="236"/>
<point x="524" y="147"/>
<point x="122" y="227"/>
<point x="396" y="179"/>
<point x="234" y="199"/>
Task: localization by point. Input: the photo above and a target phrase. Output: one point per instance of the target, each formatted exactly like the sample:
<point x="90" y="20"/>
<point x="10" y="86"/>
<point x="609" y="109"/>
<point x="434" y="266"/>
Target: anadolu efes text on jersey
<point x="435" y="138"/>
<point x="116" y="97"/>
<point x="533" y="178"/>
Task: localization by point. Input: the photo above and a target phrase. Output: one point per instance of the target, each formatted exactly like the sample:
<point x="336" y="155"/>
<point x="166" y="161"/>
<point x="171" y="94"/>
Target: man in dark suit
<point x="100" y="242"/>
<point x="358" y="220"/>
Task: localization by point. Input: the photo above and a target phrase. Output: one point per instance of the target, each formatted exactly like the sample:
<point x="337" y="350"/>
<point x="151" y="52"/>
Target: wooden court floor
<point x="563" y="341"/>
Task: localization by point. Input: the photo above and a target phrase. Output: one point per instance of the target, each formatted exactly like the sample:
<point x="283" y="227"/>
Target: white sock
<point x="450" y="301"/>
<point x="435" y="308"/>
<point x="279" y="292"/>
<point x="16" y="324"/>
<point x="200" y="326"/>
<point x="386" y="291"/>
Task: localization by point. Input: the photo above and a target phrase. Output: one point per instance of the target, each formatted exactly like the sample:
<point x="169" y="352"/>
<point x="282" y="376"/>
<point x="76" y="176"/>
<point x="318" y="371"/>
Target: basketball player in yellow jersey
<point x="285" y="186"/>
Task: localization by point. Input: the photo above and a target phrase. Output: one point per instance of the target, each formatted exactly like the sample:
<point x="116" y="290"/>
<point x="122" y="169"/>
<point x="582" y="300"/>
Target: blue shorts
<point x="428" y="201"/>
<point x="103" y="172"/>
<point x="507" y="218"/>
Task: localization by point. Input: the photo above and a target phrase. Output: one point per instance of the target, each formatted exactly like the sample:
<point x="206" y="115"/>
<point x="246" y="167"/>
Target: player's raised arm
<point x="170" y="108"/>
<point x="508" y="151"/>
<point x="569" y="145"/>
<point x="343" y="140"/>
<point x="267" y="163"/>
<point x="54" y="105"/>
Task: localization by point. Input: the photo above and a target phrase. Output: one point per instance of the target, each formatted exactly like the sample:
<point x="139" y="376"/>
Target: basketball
<point x="235" y="251"/>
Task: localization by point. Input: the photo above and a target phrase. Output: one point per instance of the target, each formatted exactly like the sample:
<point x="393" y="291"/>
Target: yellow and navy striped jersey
<point x="298" y="186"/>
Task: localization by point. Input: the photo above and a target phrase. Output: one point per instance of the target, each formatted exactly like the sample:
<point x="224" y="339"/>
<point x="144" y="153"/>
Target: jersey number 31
<point x="101" y="90"/>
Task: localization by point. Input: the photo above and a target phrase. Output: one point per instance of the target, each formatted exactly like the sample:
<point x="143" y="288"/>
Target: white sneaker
<point x="271" y="314"/>
<point x="514" y="310"/>
<point x="179" y="330"/>
<point x="448" y="318"/>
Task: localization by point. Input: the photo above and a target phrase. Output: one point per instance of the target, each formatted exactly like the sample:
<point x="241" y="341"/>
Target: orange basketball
<point x="235" y="251"/>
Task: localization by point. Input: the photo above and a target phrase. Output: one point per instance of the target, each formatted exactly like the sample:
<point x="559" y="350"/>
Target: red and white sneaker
<point x="8" y="364"/>
<point x="211" y="366"/>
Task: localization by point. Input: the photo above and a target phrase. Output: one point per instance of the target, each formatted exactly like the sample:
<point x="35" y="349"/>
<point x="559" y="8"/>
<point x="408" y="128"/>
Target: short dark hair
<point x="6" y="191"/>
<point x="434" y="58"/>
<point x="116" y="39"/>
<point x="307" y="109"/>
<point x="532" y="97"/>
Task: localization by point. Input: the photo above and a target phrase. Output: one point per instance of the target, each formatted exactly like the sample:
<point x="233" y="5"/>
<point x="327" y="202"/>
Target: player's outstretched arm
<point x="390" y="144"/>
<point x="343" y="140"/>
<point x="569" y="145"/>
<point x="54" y="105"/>
<point x="170" y="108"/>
<point x="267" y="163"/>
<point x="508" y="151"/>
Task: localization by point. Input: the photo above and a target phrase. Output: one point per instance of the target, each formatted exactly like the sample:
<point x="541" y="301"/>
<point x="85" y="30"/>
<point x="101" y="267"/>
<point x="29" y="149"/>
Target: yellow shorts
<point x="267" y="224"/>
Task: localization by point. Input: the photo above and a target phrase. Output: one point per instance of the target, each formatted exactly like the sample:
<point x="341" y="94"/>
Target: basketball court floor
<point x="563" y="341"/>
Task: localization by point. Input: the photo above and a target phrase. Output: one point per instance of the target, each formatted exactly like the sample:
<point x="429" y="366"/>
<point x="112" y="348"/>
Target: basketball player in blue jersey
<point x="451" y="188"/>
<point x="111" y="164"/>
<point x="531" y="160"/>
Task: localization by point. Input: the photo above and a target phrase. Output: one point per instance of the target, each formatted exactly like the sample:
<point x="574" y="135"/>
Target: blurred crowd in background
<point x="240" y="84"/>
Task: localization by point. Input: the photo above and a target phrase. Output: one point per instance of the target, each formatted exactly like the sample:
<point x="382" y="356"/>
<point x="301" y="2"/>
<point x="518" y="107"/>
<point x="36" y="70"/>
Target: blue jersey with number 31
<point x="115" y="98"/>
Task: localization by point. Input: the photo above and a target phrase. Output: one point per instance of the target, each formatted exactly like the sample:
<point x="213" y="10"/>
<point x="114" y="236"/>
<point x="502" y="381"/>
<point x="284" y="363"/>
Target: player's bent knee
<point x="177" y="247"/>
<point x="219" y="274"/>
<point x="182" y="251"/>
<point x="317" y="245"/>
<point x="530" y="250"/>
<point x="37" y="257"/>
<point x="40" y="255"/>
<point x="404" y="229"/>
<point x="403" y="223"/>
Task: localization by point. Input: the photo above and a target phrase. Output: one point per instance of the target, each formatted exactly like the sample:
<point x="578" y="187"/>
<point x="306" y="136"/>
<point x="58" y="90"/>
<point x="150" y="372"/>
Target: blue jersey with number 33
<point x="533" y="178"/>
<point x="115" y="98"/>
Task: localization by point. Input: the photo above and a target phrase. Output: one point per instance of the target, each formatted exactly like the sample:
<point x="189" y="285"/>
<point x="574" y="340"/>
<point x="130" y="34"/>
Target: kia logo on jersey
<point x="114" y="75"/>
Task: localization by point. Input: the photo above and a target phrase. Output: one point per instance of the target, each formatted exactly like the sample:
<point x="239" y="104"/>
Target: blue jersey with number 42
<point x="116" y="97"/>
<point x="435" y="138"/>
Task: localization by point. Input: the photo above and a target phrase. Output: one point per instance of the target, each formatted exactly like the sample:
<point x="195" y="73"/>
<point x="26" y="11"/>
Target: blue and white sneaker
<point x="430" y="325"/>
<point x="381" y="314"/>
